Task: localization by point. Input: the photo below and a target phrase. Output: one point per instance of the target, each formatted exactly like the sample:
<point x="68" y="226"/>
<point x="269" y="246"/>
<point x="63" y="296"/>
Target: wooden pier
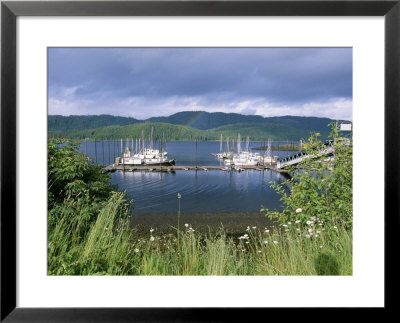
<point x="153" y="168"/>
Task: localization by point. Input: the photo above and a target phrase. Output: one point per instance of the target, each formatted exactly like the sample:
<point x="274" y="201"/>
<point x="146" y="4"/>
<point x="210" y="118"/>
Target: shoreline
<point x="234" y="223"/>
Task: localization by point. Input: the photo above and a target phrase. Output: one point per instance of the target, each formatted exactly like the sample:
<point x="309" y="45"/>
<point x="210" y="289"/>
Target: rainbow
<point x="191" y="121"/>
<point x="194" y="118"/>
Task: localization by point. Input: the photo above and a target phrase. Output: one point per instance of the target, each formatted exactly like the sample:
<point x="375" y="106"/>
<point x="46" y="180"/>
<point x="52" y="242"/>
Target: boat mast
<point x="220" y="145"/>
<point x="238" y="144"/>
<point x="269" y="151"/>
<point x="151" y="138"/>
<point x="163" y="146"/>
<point x="142" y="143"/>
<point x="248" y="148"/>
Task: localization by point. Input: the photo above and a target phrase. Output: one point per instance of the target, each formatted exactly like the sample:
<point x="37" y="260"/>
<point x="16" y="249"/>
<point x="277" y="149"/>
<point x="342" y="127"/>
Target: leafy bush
<point x="75" y="185"/>
<point x="320" y="186"/>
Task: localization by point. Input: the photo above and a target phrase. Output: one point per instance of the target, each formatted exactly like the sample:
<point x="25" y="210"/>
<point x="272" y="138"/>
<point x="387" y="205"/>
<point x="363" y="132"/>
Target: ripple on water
<point x="212" y="191"/>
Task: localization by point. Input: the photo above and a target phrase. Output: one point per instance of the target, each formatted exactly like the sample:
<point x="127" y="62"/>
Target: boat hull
<point x="170" y="162"/>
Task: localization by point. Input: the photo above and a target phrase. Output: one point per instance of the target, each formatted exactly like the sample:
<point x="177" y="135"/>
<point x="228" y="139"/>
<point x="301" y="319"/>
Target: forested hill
<point x="205" y="120"/>
<point x="74" y="122"/>
<point x="194" y="119"/>
<point x="178" y="132"/>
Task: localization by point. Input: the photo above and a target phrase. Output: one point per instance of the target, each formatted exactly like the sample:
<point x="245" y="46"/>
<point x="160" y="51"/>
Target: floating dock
<point x="153" y="168"/>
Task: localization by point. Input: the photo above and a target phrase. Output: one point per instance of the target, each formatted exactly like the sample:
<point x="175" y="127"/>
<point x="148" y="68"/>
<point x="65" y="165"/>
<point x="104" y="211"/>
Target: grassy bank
<point x="111" y="247"/>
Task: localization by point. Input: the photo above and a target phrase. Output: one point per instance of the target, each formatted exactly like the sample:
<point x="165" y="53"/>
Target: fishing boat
<point x="153" y="158"/>
<point x="242" y="158"/>
<point x="145" y="156"/>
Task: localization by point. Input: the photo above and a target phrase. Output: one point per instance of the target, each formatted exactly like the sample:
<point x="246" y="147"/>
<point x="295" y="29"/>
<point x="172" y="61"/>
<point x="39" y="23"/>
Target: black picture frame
<point x="10" y="10"/>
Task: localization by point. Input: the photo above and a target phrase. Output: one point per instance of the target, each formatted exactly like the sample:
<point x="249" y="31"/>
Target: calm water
<point x="202" y="192"/>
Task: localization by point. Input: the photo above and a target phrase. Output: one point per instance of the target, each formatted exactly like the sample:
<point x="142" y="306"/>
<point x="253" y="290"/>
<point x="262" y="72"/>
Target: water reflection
<point x="202" y="192"/>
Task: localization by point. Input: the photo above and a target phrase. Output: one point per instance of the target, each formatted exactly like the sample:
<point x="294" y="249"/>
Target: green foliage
<point x="101" y="248"/>
<point x="88" y="229"/>
<point x="75" y="185"/>
<point x="320" y="187"/>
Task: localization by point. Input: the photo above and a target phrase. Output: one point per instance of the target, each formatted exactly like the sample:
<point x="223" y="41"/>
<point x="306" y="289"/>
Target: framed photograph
<point x="178" y="160"/>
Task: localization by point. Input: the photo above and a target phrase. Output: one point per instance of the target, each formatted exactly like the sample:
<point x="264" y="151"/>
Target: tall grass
<point x="111" y="247"/>
<point x="104" y="249"/>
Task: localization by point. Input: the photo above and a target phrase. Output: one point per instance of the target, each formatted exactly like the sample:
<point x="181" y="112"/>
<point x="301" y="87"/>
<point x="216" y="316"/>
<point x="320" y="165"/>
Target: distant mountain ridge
<point x="206" y="120"/>
<point x="173" y="132"/>
<point x="189" y="125"/>
<point x="196" y="119"/>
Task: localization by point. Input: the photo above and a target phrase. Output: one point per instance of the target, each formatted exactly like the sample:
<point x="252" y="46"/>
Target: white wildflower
<point x="265" y="242"/>
<point x="151" y="230"/>
<point x="152" y="238"/>
<point x="276" y="242"/>
<point x="299" y="210"/>
<point x="186" y="225"/>
<point x="136" y="250"/>
<point x="308" y="236"/>
<point x="254" y="227"/>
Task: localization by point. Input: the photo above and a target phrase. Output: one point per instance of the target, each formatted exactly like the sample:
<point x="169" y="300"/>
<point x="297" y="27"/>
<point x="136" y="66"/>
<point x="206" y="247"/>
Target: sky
<point x="148" y="82"/>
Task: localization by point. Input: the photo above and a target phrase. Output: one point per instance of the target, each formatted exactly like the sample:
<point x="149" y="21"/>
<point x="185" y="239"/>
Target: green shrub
<point x="320" y="186"/>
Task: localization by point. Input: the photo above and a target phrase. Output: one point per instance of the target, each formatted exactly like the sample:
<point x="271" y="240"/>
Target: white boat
<point x="243" y="159"/>
<point x="149" y="157"/>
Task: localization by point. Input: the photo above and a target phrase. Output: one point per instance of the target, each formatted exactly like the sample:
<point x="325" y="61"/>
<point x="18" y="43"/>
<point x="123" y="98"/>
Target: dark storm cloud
<point x="210" y="76"/>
